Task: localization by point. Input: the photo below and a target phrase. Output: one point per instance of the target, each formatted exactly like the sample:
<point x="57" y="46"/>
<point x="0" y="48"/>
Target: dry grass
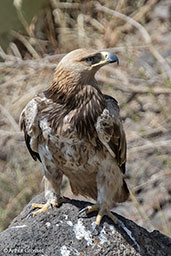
<point x="141" y="84"/>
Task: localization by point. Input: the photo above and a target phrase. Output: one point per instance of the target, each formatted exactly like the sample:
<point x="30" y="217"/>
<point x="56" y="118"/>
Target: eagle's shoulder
<point x="110" y="98"/>
<point x="112" y="105"/>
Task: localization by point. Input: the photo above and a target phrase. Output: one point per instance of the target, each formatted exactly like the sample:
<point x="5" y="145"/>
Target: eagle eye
<point x="89" y="60"/>
<point x="92" y="59"/>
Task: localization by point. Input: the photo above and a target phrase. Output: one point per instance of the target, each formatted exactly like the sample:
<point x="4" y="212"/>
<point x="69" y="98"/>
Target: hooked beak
<point x="106" y="58"/>
<point x="109" y="57"/>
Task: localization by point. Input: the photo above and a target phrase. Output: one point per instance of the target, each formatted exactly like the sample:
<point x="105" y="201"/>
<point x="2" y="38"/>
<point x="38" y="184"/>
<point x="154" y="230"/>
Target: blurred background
<point x="34" y="36"/>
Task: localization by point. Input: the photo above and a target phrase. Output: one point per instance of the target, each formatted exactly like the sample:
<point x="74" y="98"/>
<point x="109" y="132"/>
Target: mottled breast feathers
<point x="82" y="109"/>
<point x="88" y="111"/>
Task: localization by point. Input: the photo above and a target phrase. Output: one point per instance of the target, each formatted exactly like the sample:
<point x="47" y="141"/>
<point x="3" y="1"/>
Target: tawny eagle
<point x="76" y="130"/>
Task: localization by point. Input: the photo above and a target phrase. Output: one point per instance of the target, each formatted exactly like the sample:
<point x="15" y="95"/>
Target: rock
<point x="60" y="231"/>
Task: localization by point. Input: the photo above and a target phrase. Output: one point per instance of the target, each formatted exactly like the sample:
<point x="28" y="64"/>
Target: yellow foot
<point x="101" y="212"/>
<point x="45" y="207"/>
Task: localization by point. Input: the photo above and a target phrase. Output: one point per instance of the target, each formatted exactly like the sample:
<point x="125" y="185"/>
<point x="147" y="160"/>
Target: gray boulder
<point x="60" y="231"/>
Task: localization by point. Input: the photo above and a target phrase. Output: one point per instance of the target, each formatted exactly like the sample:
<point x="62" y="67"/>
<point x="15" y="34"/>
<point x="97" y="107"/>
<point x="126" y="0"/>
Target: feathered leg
<point x="111" y="188"/>
<point x="52" y="194"/>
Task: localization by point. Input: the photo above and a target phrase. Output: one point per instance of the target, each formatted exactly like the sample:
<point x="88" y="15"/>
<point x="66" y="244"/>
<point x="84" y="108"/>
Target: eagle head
<point x="76" y="71"/>
<point x="82" y="64"/>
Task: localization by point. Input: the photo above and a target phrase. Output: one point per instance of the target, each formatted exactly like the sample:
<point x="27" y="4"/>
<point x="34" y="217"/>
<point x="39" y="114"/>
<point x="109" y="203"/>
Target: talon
<point x="101" y="213"/>
<point x="89" y="209"/>
<point x="98" y="228"/>
<point x="30" y="215"/>
<point x="45" y="207"/>
<point x="112" y="217"/>
<point x="60" y="201"/>
<point x="83" y="210"/>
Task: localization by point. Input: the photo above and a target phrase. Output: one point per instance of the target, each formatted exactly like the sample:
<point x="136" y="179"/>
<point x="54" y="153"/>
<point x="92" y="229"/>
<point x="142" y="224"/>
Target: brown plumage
<point x="75" y="130"/>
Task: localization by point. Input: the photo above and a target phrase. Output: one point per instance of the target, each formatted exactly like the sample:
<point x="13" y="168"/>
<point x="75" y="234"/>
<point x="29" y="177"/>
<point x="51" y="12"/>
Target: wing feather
<point x="111" y="133"/>
<point x="29" y="124"/>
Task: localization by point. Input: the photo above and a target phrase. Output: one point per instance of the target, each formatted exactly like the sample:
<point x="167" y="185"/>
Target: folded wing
<point x="111" y="133"/>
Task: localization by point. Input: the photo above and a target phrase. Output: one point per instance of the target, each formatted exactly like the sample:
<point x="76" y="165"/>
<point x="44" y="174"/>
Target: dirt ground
<point x="141" y="84"/>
